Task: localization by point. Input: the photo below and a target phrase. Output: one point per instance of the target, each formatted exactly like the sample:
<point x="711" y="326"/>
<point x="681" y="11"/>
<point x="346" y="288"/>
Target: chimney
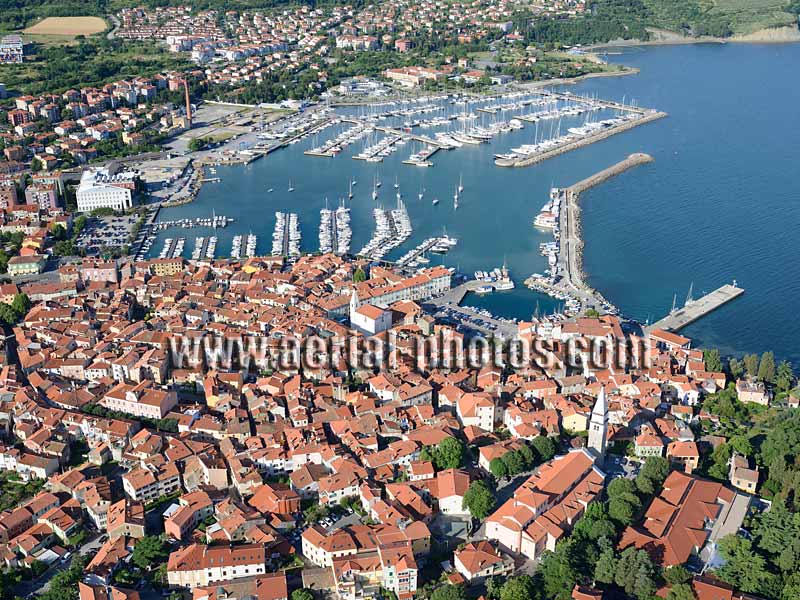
<point x="188" y="105"/>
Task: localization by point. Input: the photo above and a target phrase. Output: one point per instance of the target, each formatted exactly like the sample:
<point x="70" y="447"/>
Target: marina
<point x="286" y="236"/>
<point x="392" y="228"/>
<point x="437" y="245"/>
<point x="564" y="278"/>
<point x="214" y="222"/>
<point x="626" y="221"/>
<point x="236" y="248"/>
<point x="334" y="230"/>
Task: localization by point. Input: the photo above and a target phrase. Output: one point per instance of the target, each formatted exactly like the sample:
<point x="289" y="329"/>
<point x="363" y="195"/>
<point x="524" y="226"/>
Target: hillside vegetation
<point x="719" y="17"/>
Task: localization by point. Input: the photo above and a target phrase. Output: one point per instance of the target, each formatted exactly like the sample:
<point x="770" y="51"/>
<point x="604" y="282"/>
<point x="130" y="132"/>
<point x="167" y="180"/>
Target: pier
<point x="694" y="309"/>
<point x="571" y="144"/>
<point x="567" y="278"/>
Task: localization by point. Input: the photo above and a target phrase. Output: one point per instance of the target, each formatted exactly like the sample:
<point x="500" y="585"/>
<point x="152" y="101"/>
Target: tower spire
<point x="598" y="425"/>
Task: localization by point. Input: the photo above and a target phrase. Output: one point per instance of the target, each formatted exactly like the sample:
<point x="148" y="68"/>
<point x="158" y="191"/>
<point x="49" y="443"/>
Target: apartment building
<point x="198" y="565"/>
<point x="148" y="483"/>
<point x="547" y="504"/>
<point x="141" y="400"/>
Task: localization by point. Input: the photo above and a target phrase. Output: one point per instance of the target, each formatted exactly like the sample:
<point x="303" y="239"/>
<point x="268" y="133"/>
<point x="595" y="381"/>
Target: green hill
<point x="720" y="17"/>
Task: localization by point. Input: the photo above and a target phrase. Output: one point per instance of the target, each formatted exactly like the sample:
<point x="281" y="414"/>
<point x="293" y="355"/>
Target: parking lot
<point x="338" y="517"/>
<point x="467" y="319"/>
<point x="620" y="466"/>
<point x="102" y="233"/>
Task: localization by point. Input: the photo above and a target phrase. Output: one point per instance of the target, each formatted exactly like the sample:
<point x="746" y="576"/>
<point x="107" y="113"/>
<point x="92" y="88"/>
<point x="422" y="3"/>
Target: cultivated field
<point x="67" y="26"/>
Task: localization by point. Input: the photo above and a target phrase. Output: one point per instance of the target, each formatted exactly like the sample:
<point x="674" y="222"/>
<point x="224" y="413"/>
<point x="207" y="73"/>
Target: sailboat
<point x="291" y="189"/>
<point x="269" y="191"/>
<point x="398" y="194"/>
<point x="421" y="192"/>
<point x="350" y="192"/>
<point x="375" y="190"/>
<point x="435" y="201"/>
<point x="396" y="184"/>
<point x="460" y="185"/>
<point x="455" y="199"/>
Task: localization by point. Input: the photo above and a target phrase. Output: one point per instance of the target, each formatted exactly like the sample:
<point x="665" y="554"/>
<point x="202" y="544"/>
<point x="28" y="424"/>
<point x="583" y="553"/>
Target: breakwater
<point x="571" y="144"/>
<point x="567" y="280"/>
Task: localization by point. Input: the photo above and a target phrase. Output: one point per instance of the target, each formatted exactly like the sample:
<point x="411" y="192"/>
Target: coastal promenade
<point x="568" y="281"/>
<point x="647" y="116"/>
<point x="694" y="309"/>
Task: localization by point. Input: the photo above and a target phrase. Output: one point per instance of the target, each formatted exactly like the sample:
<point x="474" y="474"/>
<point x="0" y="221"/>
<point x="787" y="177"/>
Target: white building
<point x="368" y="318"/>
<point x="102" y="188"/>
<point x="199" y="565"/>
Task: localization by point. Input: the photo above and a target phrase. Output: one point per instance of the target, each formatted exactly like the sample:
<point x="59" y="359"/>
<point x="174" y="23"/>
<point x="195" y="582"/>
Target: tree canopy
<point x="479" y="499"/>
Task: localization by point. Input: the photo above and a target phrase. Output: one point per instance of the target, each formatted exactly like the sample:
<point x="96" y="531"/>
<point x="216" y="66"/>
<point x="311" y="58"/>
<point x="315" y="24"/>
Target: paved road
<point x="41" y="584"/>
<point x="113" y="33"/>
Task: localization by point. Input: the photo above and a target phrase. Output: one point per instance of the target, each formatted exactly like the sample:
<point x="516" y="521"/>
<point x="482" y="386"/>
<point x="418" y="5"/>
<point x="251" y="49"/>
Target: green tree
<point x="750" y="364"/>
<point x="791" y="588"/>
<point x="7" y="314"/>
<point x="681" y="591"/>
<point x="545" y="447"/>
<point x="784" y="376"/>
<point x="359" y="275"/>
<point x="21" y="304"/>
<point x="635" y="573"/>
<point x="198" y="143"/>
<point x="559" y="570"/>
<point x="718" y="467"/>
<point x="64" y="585"/>
<point x="623" y="503"/>
<point x="494" y="586"/>
<point x="513" y="462"/>
<point x="498" y="468"/>
<point x="743" y="568"/>
<point x="712" y="360"/>
<point x="606" y="564"/>
<point x="766" y="367"/>
<point x="620" y="486"/>
<point x="742" y="445"/>
<point x="449" y="454"/>
<point x="528" y="455"/>
<point x="677" y="574"/>
<point x="623" y="508"/>
<point x="149" y="552"/>
<point x="736" y="368"/>
<point x="479" y="499"/>
<point x="652" y="474"/>
<point x="520" y="587"/>
<point x="302" y="594"/>
<point x="448" y="592"/>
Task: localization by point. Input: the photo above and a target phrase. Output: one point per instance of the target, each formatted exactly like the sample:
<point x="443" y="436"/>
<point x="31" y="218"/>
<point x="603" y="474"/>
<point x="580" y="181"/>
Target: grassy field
<point x="746" y="16"/>
<point x="67" y="26"/>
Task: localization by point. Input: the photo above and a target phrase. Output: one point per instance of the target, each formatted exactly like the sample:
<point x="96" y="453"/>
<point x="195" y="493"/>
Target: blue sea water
<point x="720" y="202"/>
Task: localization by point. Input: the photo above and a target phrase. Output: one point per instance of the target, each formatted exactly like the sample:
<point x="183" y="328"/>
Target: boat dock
<point x="695" y="309"/>
<point x="286" y="236"/>
<point x="568" y="144"/>
<point x="422" y="158"/>
<point x="566" y="281"/>
<point x="416" y="256"/>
